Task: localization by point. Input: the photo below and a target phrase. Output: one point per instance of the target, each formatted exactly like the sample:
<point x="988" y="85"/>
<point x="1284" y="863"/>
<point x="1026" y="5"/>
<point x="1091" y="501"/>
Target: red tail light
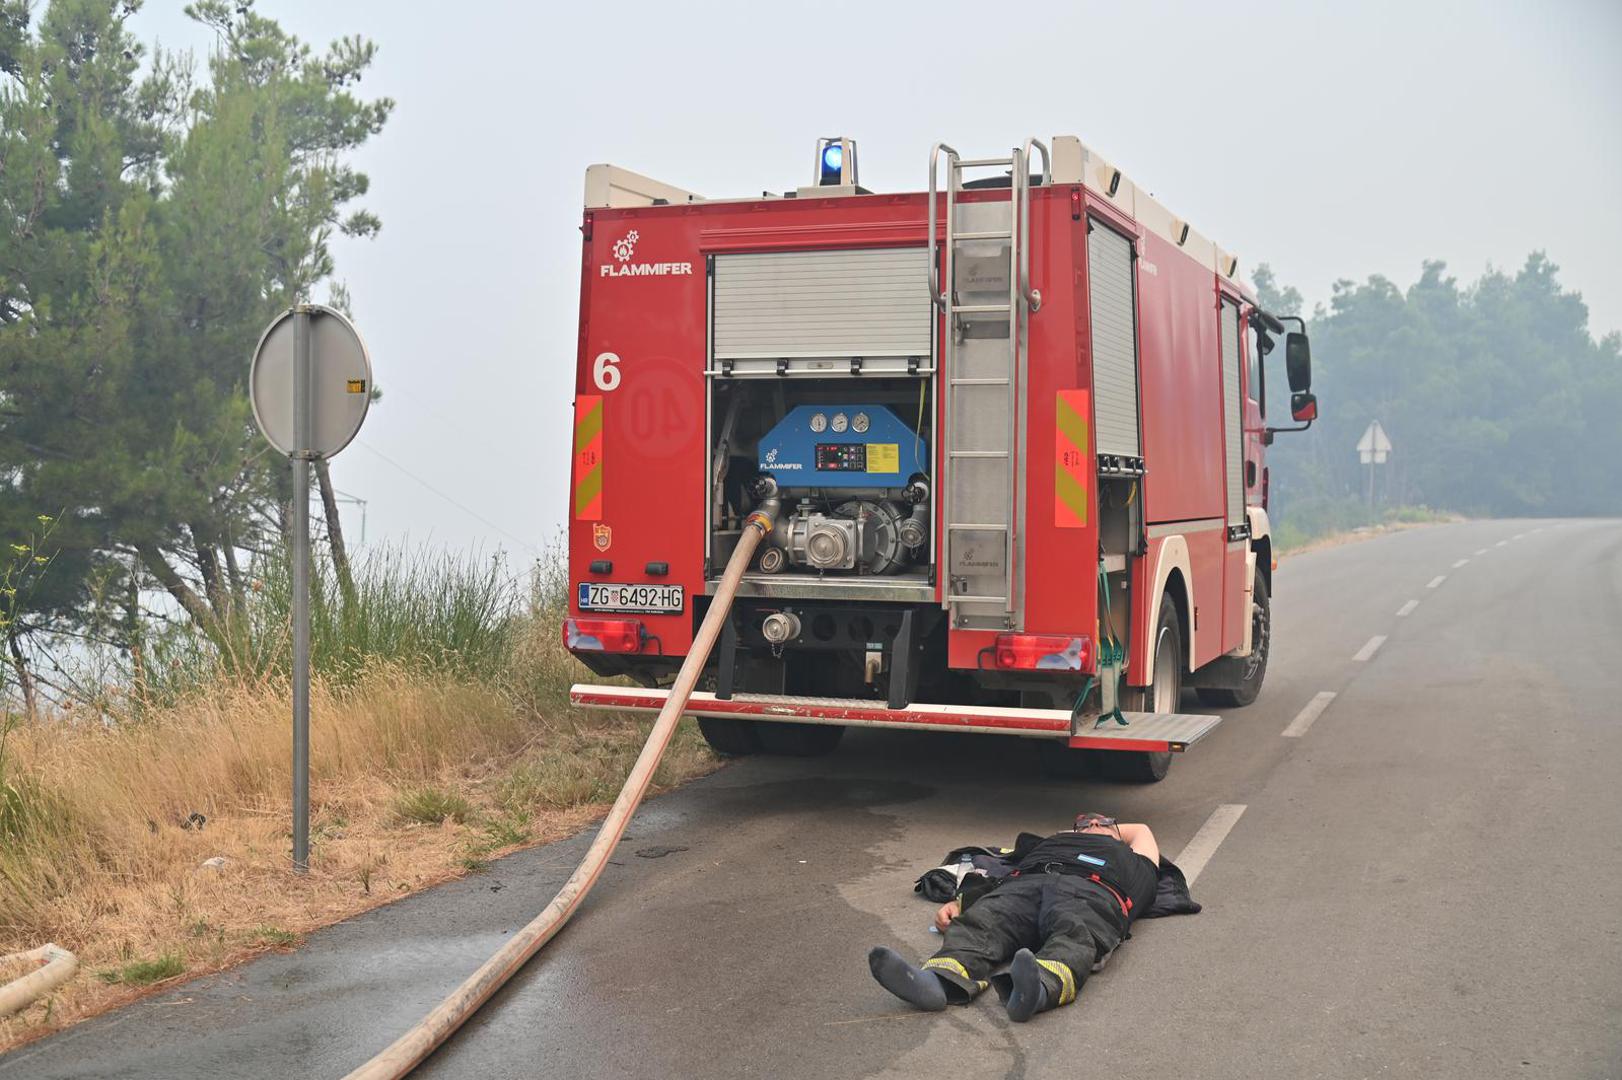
<point x="1043" y="652"/>
<point x="603" y="635"/>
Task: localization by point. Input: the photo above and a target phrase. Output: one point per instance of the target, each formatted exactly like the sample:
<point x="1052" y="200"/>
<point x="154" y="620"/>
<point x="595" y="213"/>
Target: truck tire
<point x="1160" y="696"/>
<point x="732" y="738"/>
<point x="799" y="740"/>
<point x="1065" y="763"/>
<point x="1252" y="669"/>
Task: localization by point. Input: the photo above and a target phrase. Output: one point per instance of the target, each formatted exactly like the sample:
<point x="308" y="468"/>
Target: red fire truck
<point x="1011" y="430"/>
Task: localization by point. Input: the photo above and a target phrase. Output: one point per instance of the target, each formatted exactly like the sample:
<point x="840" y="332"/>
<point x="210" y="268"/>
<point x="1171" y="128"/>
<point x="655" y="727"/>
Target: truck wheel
<point x="1252" y="668"/>
<point x="799" y="740"/>
<point x="734" y="738"/>
<point x="1062" y="762"/>
<point x="1161" y="696"/>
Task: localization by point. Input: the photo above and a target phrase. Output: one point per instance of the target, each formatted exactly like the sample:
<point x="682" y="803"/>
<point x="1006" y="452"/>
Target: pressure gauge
<point x="858" y="423"/>
<point x="819" y="423"/>
<point x="841" y="421"/>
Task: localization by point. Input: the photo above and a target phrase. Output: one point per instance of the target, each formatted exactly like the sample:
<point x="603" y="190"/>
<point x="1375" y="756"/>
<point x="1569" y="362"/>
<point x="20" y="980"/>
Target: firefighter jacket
<point x="968" y="873"/>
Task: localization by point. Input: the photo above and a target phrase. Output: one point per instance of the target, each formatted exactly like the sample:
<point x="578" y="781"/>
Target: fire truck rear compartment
<point x="846" y="461"/>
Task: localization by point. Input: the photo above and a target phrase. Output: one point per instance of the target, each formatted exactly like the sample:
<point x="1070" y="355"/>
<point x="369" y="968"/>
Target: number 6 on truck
<point x="605" y="371"/>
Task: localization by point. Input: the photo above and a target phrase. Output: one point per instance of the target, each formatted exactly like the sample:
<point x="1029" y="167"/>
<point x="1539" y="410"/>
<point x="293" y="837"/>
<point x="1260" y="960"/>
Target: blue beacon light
<point x="833" y="160"/>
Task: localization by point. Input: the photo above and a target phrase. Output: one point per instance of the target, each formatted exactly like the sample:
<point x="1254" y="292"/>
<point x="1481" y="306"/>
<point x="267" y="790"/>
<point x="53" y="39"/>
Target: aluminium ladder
<point x="985" y="298"/>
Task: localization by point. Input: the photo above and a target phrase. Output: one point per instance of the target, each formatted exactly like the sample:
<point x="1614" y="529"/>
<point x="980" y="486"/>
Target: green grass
<point x="144" y="972"/>
<point x="431" y="806"/>
<point x="506" y="831"/>
<point x="463" y="614"/>
<point x="271" y="935"/>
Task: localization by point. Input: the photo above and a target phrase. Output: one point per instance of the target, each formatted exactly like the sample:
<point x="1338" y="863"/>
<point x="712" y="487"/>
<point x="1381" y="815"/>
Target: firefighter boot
<point x="912" y="984"/>
<point x="1029" y="994"/>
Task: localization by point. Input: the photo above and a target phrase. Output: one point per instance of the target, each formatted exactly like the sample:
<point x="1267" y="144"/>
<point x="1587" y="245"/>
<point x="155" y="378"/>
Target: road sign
<point x="310" y="382"/>
<point x="1373" y="447"/>
<point x="340" y="381"/>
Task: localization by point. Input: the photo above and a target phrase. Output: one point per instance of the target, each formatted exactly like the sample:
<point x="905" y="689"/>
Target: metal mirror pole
<point x="302" y="439"/>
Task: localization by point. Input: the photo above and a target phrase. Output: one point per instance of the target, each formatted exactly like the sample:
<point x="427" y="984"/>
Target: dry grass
<point x="416" y="778"/>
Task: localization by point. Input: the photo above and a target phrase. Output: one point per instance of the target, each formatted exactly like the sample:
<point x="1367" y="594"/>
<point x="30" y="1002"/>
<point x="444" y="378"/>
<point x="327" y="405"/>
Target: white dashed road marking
<point x="1303" y="719"/>
<point x="1482" y="551"/>
<point x="1460" y="563"/>
<point x="1372" y="647"/>
<point x="1407" y="609"/>
<point x="1208" y="839"/>
<point x="1501" y="543"/>
<point x="1435" y="581"/>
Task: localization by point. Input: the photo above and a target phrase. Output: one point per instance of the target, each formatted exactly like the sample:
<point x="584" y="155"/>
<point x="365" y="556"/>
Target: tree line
<point x="1497" y="399"/>
<point x="157" y="215"/>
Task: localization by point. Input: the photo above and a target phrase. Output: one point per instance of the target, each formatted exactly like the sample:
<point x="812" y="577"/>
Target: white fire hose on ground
<point x="55" y="966"/>
<point x="409" y="1050"/>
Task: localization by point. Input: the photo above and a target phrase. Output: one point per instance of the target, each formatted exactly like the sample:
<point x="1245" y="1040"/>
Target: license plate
<point x="599" y="596"/>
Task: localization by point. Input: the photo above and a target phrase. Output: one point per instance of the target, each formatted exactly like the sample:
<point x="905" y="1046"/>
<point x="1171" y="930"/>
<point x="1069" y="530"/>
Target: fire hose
<point x="55" y="966"/>
<point x="409" y="1050"/>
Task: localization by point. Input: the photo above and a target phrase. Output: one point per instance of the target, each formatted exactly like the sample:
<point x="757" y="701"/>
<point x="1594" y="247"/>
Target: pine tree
<point x="161" y="218"/>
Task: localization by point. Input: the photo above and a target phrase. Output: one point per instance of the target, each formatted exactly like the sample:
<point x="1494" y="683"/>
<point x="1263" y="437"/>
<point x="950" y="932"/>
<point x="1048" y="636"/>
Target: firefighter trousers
<point x="1065" y="920"/>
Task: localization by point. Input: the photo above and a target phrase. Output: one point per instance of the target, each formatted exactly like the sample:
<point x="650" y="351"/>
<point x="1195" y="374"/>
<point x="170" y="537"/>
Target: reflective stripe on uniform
<point x="949" y="964"/>
<point x="1067" y="979"/>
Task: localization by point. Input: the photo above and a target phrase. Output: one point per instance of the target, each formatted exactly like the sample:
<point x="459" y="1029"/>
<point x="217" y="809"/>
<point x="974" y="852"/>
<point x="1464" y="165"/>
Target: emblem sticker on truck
<point x="625" y="249"/>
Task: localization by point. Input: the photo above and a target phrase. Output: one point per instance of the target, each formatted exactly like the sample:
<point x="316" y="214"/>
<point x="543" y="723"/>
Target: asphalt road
<point x="1424" y="880"/>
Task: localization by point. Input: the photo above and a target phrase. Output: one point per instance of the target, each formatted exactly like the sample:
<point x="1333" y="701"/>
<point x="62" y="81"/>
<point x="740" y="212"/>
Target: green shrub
<point x="458" y="614"/>
<point x="145" y="972"/>
<point x="431" y="806"/>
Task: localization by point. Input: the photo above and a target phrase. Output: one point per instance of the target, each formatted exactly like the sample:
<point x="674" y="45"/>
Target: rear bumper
<point x="1144" y="731"/>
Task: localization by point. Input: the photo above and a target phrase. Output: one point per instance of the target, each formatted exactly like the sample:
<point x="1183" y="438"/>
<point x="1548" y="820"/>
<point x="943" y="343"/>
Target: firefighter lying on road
<point x="1070" y="897"/>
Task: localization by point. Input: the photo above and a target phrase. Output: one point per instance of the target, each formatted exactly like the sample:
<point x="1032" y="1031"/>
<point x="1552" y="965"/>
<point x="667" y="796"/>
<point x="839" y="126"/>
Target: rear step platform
<point x="1143" y="731"/>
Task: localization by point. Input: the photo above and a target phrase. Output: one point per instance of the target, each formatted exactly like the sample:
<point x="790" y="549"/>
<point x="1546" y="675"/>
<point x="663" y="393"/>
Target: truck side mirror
<point x="1298" y="361"/>
<point x="1303" y="407"/>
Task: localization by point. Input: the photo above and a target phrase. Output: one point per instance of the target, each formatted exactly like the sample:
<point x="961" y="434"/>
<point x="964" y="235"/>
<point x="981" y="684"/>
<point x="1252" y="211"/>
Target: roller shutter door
<point x="807" y="304"/>
<point x="1115" y="348"/>
<point x="1232" y="417"/>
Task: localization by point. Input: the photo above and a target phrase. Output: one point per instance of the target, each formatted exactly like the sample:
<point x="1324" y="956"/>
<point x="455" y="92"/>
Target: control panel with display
<point x="876" y="448"/>
<point x="842" y="457"/>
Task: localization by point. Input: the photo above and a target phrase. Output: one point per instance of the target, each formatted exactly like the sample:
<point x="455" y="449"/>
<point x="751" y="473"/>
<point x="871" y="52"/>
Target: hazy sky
<point x="1331" y="140"/>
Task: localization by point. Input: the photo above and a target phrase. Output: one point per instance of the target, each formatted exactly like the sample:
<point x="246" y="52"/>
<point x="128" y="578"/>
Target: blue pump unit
<point x="842" y="446"/>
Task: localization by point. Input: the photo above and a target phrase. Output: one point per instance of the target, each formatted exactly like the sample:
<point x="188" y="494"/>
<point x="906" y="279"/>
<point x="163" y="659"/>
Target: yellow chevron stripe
<point x="1072" y="425"/>
<point x="586" y="489"/>
<point x="1071" y="492"/>
<point x="588" y="424"/>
